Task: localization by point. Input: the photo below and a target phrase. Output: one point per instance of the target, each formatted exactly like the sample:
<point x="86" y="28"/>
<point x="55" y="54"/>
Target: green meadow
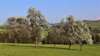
<point x="47" y="50"/>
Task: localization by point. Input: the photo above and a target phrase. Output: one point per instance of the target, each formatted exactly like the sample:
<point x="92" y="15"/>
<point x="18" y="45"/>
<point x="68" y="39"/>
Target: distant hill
<point x="94" y="24"/>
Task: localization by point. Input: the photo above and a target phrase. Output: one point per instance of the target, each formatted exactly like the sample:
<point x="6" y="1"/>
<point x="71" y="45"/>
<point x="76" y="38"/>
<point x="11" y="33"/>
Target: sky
<point x="53" y="10"/>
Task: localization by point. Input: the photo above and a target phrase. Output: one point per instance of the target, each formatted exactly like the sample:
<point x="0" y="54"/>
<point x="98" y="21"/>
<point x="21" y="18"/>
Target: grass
<point x="47" y="50"/>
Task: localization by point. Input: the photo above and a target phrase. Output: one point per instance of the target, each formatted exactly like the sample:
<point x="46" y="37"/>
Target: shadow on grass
<point x="57" y="48"/>
<point x="43" y="47"/>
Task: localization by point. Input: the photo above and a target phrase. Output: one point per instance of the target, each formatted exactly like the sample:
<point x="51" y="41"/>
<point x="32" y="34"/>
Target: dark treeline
<point x="34" y="28"/>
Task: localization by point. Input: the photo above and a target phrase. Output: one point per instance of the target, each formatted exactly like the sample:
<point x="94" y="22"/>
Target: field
<point x="47" y="50"/>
